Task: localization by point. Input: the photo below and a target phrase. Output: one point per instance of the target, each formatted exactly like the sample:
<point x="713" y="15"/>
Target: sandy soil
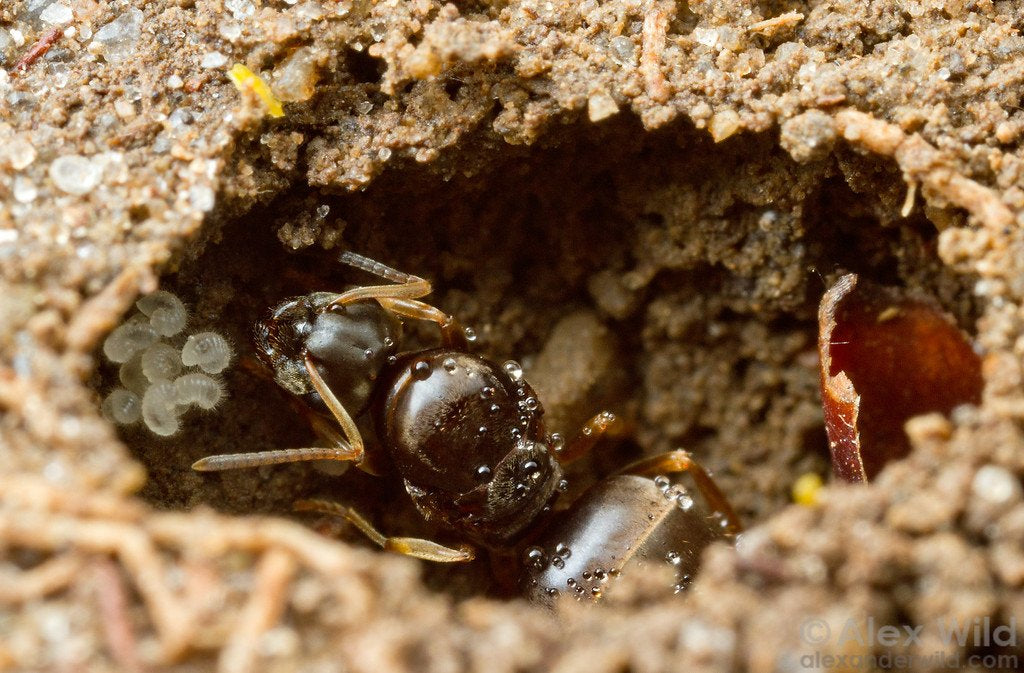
<point x="642" y="201"/>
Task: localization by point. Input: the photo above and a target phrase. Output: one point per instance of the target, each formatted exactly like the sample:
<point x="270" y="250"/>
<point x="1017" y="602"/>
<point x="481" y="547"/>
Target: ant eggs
<point x="161" y="361"/>
<point x="122" y="406"/>
<point x="128" y="339"/>
<point x="201" y="390"/>
<point x="132" y="377"/>
<point x="159" y="409"/>
<point x="207" y="350"/>
<point x="167" y="313"/>
<point x="157" y="386"/>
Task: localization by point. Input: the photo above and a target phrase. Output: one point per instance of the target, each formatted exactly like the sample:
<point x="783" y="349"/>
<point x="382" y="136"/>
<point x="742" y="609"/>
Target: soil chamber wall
<point x="641" y="202"/>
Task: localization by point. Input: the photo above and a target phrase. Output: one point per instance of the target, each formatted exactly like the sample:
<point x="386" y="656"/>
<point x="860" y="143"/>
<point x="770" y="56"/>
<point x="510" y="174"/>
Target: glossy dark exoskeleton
<point x="467" y="438"/>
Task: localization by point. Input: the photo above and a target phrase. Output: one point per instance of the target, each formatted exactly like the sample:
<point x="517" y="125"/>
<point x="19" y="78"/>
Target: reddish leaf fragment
<point x="886" y="355"/>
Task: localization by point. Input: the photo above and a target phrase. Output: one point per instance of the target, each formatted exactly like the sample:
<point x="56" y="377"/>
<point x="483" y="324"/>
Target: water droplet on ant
<point x="586" y="575"/>
<point x="449" y="365"/>
<point x="483" y="473"/>
<point x="392" y="359"/>
<point x="531" y="403"/>
<point x="535" y="558"/>
<point x="482" y="430"/>
<point x="513" y="369"/>
<point x="662" y="483"/>
<point x="563" y="485"/>
<point x="558" y="562"/>
<point x="470" y="334"/>
<point x="551" y="591"/>
<point x="557" y="442"/>
<point x="530" y="467"/>
<point x="388" y="342"/>
<point x="562" y="550"/>
<point x="684" y="502"/>
<point x="421" y="370"/>
<point x="368" y="353"/>
<point x="570" y="582"/>
<point x="674" y="558"/>
<point x="486" y="393"/>
<point x="495" y="408"/>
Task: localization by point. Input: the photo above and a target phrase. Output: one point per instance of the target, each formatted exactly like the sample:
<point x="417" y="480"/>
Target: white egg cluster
<point x="158" y="366"/>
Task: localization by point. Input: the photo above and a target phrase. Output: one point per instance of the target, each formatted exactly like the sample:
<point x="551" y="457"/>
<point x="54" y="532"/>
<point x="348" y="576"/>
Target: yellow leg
<point x="407" y="286"/>
<point x="348" y="426"/>
<point x="682" y="461"/>
<point x="349" y="448"/>
<point x="603" y="423"/>
<point x="409" y="546"/>
<point x="452" y="334"/>
<point x="235" y="461"/>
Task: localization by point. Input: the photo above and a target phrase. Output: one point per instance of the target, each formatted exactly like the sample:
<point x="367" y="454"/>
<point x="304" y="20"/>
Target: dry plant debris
<point x="886" y="356"/>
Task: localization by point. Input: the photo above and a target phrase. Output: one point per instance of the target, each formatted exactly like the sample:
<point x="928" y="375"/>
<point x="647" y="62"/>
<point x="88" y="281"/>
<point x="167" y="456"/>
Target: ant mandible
<point x="464" y="433"/>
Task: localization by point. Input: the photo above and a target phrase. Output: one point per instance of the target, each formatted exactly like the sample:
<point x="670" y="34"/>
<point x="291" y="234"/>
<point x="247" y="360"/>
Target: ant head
<point x="348" y="344"/>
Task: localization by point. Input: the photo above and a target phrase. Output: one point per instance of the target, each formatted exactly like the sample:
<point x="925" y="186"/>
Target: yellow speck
<point x="889" y="314"/>
<point x="806" y="489"/>
<point x="244" y="78"/>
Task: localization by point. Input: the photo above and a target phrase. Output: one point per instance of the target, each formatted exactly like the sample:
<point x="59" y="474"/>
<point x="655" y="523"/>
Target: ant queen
<point x="466" y="436"/>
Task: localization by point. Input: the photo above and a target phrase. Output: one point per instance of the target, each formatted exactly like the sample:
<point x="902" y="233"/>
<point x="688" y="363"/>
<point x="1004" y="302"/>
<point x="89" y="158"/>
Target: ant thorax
<point x="468" y="439"/>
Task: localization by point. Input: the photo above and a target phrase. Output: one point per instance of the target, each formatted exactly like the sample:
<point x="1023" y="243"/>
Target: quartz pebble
<point x="24" y="189"/>
<point x="18" y="153"/>
<point x="116" y="39"/>
<point x="240" y="9"/>
<point x="295" y="79"/>
<point x="213" y="59"/>
<point x="57" y="14"/>
<point x="75" y="174"/>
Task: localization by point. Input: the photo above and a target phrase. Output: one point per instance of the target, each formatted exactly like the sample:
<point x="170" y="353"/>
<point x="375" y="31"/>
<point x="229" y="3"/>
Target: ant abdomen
<point x="623" y="520"/>
<point x="467" y="437"/>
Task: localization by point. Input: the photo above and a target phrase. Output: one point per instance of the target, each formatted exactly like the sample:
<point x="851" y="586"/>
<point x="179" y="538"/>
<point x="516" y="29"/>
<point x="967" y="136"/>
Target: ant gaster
<point x="465" y="434"/>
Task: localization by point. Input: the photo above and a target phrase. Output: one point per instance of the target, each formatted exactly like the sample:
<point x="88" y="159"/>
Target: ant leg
<point x="234" y="461"/>
<point x="452" y="334"/>
<point x="409" y="546"/>
<point x="348" y="426"/>
<point x="682" y="461"/>
<point x="349" y="448"/>
<point x="604" y="423"/>
<point x="407" y="286"/>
